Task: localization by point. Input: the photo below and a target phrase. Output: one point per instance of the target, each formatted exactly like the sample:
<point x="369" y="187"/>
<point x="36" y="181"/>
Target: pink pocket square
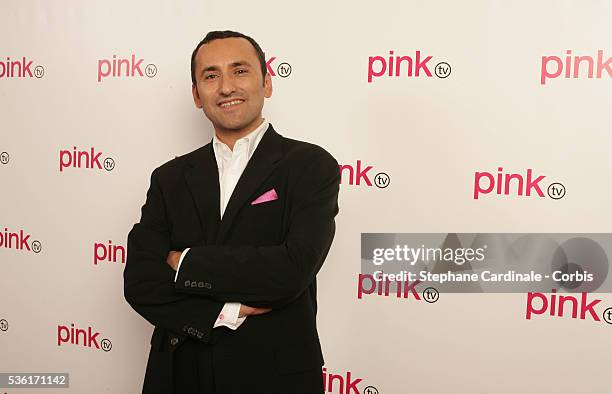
<point x="270" y="195"/>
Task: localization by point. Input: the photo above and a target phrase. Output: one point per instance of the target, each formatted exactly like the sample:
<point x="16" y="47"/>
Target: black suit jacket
<point x="263" y="255"/>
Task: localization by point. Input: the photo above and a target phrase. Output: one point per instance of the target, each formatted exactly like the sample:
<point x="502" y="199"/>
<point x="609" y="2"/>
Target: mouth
<point x="230" y="103"/>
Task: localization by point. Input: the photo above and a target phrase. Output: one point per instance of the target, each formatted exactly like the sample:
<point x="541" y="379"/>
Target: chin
<point x="238" y="125"/>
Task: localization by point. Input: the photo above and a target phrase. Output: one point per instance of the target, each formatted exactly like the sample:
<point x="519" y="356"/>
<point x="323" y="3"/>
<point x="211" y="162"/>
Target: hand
<point x="246" y="310"/>
<point x="173" y="259"/>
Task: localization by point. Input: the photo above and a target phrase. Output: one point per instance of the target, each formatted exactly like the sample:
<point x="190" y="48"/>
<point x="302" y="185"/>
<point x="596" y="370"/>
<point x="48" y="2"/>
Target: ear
<point x="196" y="96"/>
<point x="268" y="86"/>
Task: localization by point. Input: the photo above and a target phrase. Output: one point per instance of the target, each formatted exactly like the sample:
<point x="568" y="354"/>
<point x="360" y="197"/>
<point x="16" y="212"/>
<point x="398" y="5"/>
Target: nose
<point x="226" y="87"/>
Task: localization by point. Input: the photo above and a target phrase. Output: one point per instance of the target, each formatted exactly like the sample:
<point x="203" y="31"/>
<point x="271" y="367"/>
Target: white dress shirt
<point x="231" y="164"/>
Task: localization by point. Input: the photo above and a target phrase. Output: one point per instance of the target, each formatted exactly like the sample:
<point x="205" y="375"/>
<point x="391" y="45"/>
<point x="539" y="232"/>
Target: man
<point x="231" y="237"/>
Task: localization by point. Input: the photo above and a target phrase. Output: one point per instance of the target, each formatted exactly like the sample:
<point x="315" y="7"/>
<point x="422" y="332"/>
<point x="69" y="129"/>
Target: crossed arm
<point x="173" y="261"/>
<point x="263" y="277"/>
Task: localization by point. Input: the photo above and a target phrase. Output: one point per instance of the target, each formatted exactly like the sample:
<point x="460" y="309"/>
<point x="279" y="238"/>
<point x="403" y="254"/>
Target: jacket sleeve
<point x="149" y="280"/>
<point x="272" y="276"/>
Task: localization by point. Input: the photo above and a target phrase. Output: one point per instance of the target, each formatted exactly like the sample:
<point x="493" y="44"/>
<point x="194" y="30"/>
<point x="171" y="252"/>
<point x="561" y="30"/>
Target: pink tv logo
<point x="19" y="240"/>
<point x="131" y="67"/>
<point x="82" y="337"/>
<point x="22" y="68"/>
<point x="108" y="253"/>
<point x="559" y="305"/>
<point x="575" y="66"/>
<point x="416" y="65"/>
<point x="88" y="158"/>
<point x="368" y="284"/>
<point x="519" y="184"/>
<point x="344" y="383"/>
<point x="359" y="174"/>
<point x="278" y="68"/>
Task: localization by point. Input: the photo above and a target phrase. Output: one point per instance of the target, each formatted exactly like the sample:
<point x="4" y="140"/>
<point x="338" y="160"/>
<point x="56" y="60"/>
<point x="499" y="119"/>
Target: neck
<point x="230" y="136"/>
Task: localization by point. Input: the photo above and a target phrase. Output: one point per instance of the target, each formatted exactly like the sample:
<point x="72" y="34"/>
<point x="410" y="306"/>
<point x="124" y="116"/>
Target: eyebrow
<point x="237" y="63"/>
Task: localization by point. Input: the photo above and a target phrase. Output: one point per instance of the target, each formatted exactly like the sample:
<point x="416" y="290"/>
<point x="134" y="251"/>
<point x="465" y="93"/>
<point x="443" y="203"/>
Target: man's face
<point x="229" y="85"/>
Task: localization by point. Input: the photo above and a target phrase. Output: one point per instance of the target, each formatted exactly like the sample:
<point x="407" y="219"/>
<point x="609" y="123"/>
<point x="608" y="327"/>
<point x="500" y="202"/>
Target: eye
<point x="209" y="76"/>
<point x="241" y="70"/>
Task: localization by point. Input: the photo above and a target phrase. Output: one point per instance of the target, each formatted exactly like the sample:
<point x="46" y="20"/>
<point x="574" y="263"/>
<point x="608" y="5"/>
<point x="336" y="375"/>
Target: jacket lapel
<point x="259" y="167"/>
<point x="202" y="178"/>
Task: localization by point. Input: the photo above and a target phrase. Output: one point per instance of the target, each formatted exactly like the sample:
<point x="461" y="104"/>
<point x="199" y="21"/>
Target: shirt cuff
<point x="179" y="264"/>
<point x="229" y="316"/>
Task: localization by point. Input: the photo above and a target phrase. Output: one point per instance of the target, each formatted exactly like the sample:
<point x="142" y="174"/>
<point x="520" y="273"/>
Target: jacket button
<point x="174" y="341"/>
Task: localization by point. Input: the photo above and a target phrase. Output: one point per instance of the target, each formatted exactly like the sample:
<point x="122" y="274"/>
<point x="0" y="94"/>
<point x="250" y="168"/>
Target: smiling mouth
<point x="230" y="104"/>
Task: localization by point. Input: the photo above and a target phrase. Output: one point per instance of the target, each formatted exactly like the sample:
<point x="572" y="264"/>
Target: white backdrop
<point x="428" y="134"/>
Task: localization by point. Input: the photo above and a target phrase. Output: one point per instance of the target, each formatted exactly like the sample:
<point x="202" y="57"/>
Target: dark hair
<point x="218" y="34"/>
